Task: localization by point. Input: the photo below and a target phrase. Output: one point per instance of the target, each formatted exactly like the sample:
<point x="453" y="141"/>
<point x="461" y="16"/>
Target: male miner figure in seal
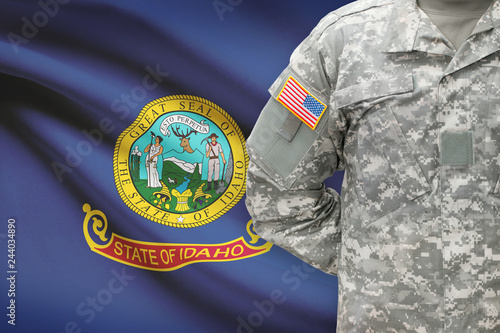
<point x="213" y="149"/>
<point x="404" y="95"/>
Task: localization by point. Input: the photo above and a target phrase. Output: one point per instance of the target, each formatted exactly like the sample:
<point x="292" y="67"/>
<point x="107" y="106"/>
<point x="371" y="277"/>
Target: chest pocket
<point x="384" y="170"/>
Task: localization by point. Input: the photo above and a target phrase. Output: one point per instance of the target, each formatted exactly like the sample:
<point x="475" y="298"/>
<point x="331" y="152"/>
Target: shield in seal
<point x="182" y="163"/>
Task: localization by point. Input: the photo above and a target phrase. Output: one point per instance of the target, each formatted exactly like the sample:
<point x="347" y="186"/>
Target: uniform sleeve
<point x="289" y="161"/>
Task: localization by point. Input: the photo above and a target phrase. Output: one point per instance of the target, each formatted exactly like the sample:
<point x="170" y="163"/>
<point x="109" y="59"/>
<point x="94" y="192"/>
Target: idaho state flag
<point x="122" y="133"/>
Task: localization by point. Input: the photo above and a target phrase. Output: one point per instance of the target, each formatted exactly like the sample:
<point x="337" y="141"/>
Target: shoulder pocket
<point x="277" y="155"/>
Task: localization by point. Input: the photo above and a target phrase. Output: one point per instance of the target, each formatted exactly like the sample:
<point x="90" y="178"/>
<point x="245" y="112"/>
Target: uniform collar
<point x="408" y="29"/>
<point x="485" y="42"/>
<point x="491" y="19"/>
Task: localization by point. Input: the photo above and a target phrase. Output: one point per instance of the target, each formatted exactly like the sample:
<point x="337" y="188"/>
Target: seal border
<point x="137" y="120"/>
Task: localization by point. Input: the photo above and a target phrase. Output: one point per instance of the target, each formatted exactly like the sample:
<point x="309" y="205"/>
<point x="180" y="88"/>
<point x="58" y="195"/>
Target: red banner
<point x="164" y="256"/>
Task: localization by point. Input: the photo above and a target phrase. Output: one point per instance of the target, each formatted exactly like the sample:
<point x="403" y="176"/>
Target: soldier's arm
<point x="289" y="162"/>
<point x="289" y="204"/>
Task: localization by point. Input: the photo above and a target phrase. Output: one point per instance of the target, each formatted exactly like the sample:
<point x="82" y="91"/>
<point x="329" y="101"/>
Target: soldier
<point x="405" y="97"/>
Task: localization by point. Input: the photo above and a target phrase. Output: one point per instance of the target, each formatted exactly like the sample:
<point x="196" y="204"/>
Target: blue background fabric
<point x="73" y="76"/>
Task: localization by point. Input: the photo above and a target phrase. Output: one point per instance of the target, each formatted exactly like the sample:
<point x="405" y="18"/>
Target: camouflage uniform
<point x="415" y="124"/>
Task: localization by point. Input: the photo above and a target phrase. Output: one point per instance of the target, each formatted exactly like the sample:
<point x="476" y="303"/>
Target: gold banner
<point x="163" y="256"/>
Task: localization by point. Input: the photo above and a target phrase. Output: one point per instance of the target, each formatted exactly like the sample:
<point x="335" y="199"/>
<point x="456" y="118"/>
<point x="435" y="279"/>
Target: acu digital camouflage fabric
<point x="415" y="123"/>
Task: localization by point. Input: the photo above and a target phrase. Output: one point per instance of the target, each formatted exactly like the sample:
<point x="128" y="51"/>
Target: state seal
<point x="182" y="162"/>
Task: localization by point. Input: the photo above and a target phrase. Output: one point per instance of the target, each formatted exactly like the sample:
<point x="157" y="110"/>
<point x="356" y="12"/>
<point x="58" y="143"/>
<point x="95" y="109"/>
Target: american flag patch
<point x="303" y="104"/>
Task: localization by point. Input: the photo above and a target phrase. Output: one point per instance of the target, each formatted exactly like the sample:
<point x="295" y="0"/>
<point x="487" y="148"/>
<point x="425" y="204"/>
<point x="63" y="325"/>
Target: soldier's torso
<point x="421" y="191"/>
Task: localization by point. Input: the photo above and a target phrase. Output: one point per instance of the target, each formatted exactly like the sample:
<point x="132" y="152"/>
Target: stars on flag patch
<point x="301" y="102"/>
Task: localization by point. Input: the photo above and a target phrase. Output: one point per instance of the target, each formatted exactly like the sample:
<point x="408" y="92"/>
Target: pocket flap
<point x="372" y="89"/>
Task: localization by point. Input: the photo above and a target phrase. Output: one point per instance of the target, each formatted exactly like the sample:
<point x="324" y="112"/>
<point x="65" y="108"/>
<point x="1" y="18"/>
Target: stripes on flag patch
<point x="302" y="103"/>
